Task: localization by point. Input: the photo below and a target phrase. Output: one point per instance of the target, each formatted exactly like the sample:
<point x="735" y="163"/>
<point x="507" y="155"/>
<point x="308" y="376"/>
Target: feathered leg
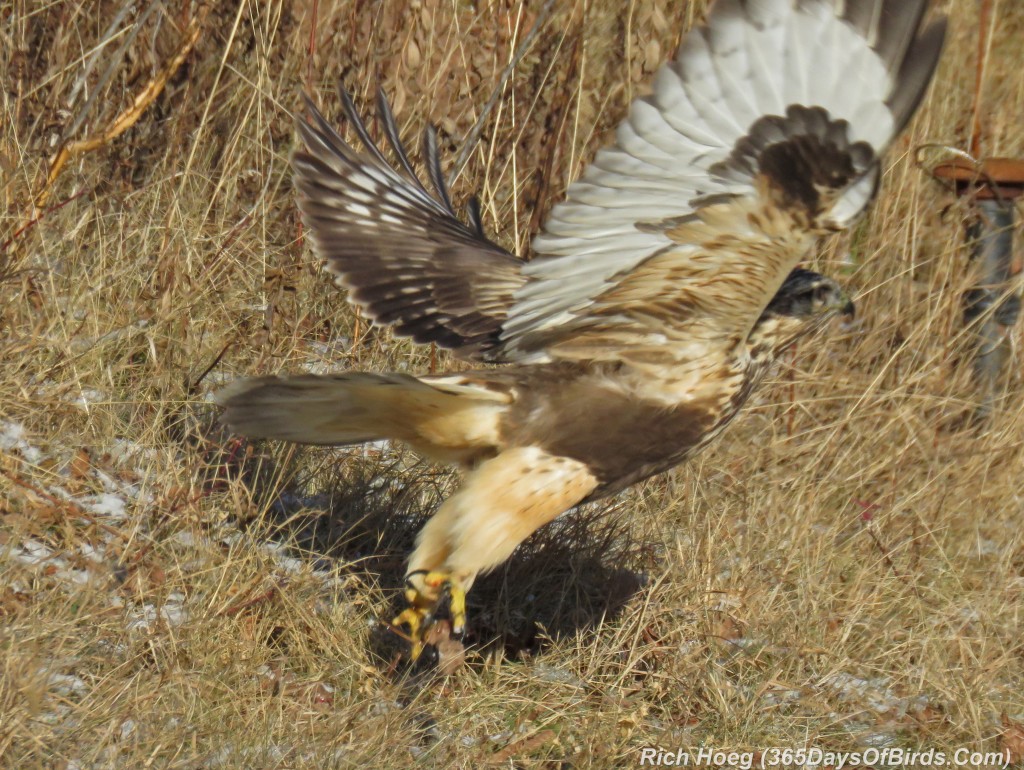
<point x="501" y="503"/>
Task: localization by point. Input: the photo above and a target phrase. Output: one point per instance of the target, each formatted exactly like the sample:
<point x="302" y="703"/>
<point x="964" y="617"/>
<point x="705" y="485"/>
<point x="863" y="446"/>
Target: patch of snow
<point x="220" y="377"/>
<point x="187" y="539"/>
<point x="66" y="684"/>
<point x="725" y="602"/>
<point x="172" y="612"/>
<point x="143" y="618"/>
<point x="780" y="696"/>
<point x="969" y="615"/>
<point x="290" y="564"/>
<point x="83" y="344"/>
<point x="91" y="552"/>
<point x="12" y="438"/>
<point x="986" y="547"/>
<point x="877" y="740"/>
<point x="106" y="504"/>
<point x="875" y="693"/>
<point x="125" y="449"/>
<point x="78" y="576"/>
<point x="556" y="675"/>
<point x="86" y="397"/>
<point x="32" y="552"/>
<point x="327" y="355"/>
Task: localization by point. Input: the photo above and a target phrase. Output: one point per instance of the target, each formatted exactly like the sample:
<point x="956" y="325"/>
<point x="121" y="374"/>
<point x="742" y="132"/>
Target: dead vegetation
<point x="844" y="569"/>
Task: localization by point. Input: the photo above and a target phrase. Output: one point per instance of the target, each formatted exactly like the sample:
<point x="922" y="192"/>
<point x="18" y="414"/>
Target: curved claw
<point x="457" y="607"/>
<point x="417" y="620"/>
<point x="419" y="615"/>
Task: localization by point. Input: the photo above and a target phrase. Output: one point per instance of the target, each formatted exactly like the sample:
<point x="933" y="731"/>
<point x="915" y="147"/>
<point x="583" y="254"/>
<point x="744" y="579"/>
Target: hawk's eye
<point x="821" y="293"/>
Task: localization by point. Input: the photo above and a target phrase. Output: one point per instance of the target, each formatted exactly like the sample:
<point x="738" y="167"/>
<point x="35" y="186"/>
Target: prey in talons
<point x="427" y="602"/>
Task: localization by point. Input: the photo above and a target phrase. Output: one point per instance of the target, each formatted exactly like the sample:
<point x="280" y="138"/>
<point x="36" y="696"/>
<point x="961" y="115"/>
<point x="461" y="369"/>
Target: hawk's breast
<point x="601" y="419"/>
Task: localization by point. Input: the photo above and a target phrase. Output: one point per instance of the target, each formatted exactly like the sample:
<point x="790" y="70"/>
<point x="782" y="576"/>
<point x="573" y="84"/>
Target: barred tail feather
<point x="451" y="425"/>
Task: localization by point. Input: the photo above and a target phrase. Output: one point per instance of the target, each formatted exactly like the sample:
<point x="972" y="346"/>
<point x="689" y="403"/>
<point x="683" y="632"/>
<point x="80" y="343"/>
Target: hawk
<point x="661" y="289"/>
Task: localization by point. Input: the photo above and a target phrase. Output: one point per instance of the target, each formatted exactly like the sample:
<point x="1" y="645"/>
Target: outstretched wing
<point x="764" y="133"/>
<point x="401" y="252"/>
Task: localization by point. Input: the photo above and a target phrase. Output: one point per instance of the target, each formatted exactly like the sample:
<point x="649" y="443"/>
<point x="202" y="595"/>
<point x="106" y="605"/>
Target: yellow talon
<point x="456" y="597"/>
<point x="418" y="616"/>
<point x="457" y="607"/>
<point x="413" y="617"/>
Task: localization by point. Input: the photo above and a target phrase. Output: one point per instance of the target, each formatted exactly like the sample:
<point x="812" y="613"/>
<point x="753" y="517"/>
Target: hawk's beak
<point x="848" y="311"/>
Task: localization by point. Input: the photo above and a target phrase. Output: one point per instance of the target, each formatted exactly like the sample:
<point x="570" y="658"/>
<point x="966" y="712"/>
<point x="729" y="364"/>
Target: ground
<point x="843" y="570"/>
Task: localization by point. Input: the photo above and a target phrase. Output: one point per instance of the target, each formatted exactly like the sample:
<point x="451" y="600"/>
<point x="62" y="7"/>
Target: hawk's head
<point x="805" y="301"/>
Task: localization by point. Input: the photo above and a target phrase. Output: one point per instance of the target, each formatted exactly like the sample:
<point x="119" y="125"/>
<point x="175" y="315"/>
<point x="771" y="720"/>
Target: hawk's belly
<point x="621" y="438"/>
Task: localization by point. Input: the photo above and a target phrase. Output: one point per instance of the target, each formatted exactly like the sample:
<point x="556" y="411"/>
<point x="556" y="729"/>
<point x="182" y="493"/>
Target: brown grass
<point x="845" y="568"/>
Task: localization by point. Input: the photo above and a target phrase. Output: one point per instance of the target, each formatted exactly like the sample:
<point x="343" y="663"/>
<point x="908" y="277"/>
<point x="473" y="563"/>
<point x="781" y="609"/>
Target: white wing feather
<point x="753" y="58"/>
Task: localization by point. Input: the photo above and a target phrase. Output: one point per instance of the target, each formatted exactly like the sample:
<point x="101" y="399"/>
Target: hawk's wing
<point x="401" y="251"/>
<point x="763" y="133"/>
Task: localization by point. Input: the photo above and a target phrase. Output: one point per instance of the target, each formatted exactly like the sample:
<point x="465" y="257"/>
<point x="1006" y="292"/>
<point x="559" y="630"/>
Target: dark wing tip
<point x="916" y="72"/>
<point x="398" y="247"/>
<point x="432" y="157"/>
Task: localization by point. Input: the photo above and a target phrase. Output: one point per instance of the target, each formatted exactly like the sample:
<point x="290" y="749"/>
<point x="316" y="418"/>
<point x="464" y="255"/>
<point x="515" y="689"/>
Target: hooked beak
<point x="848" y="311"/>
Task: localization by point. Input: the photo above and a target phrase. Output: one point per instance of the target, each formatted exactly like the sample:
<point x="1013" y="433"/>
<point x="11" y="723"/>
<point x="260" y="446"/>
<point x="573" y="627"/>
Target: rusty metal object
<point x="992" y="307"/>
<point x="993" y="185"/>
<point x="992" y="178"/>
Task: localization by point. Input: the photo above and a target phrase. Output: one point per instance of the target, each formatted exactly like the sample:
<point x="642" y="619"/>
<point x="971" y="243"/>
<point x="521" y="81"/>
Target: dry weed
<point x="844" y="569"/>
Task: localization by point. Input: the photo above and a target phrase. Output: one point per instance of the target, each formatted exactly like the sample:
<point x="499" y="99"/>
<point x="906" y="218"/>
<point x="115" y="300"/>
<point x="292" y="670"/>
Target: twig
<point x="126" y="119"/>
<point x="111" y="65"/>
<point x="314" y="14"/>
<point x="523" y="745"/>
<point x="217" y="359"/>
<point x="867" y="517"/>
<point x="67" y="506"/>
<point x="979" y="75"/>
<point x="245" y="604"/>
<point x="474" y="135"/>
<point x="547" y="166"/>
<point x="36" y="220"/>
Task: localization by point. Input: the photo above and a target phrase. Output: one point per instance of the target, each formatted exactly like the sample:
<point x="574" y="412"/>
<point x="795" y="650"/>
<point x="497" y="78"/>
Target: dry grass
<point x="845" y="568"/>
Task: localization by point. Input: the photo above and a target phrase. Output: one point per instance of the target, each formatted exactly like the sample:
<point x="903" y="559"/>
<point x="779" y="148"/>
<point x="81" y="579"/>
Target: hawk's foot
<point x="417" y="620"/>
<point x="437" y="589"/>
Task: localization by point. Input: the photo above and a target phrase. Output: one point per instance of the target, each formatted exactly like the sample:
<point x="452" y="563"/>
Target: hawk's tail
<point x="446" y="420"/>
